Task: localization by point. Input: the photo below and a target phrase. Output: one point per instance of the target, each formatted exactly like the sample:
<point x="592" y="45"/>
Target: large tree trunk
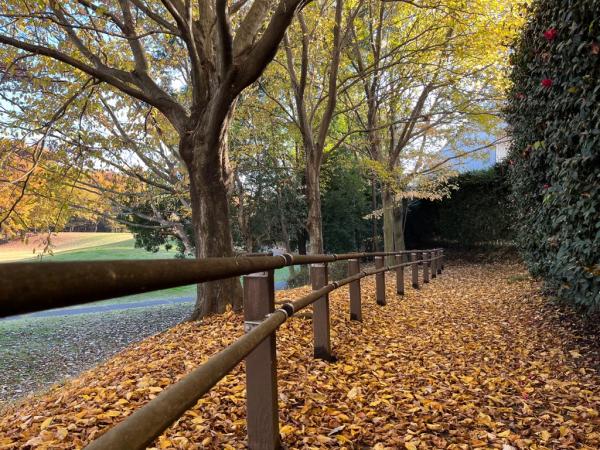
<point x="387" y="197"/>
<point x="313" y="197"/>
<point x="209" y="187"/>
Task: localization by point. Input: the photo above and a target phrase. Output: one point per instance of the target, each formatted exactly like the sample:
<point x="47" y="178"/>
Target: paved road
<point x="116" y="306"/>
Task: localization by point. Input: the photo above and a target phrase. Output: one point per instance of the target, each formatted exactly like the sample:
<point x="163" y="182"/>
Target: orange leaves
<point x="466" y="362"/>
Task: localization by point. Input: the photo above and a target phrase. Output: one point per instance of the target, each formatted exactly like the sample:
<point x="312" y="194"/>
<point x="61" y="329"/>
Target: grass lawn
<point x="103" y="246"/>
<point x="62" y="243"/>
<point x="124" y="249"/>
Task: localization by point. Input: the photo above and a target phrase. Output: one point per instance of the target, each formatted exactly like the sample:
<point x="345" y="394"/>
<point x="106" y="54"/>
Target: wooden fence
<point x="29" y="287"/>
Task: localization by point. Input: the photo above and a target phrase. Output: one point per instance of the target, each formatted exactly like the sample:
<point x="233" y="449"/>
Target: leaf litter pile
<point x="477" y="358"/>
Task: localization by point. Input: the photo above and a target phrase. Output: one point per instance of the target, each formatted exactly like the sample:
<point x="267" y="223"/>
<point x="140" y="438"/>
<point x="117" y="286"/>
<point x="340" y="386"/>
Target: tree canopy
<point x="223" y="127"/>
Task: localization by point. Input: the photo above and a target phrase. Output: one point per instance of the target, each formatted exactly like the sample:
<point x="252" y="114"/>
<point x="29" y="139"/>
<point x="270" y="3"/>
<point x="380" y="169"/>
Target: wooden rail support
<point x="399" y="275"/>
<point x="415" y="270"/>
<point x="434" y="262"/>
<point x="380" y="282"/>
<point x="320" y="318"/>
<point x="426" y="263"/>
<point x="261" y="366"/>
<point x="441" y="261"/>
<point x="354" y="288"/>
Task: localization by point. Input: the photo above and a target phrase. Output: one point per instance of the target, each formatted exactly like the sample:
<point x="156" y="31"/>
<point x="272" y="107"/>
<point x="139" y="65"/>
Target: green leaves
<point x="558" y="228"/>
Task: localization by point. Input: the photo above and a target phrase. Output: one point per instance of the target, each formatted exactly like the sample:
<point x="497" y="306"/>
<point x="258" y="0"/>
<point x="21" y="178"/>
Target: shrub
<point x="554" y="113"/>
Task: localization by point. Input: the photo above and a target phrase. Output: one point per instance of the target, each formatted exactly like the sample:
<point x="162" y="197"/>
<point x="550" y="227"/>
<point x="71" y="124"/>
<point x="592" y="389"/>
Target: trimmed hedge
<point x="478" y="213"/>
<point x="554" y="113"/>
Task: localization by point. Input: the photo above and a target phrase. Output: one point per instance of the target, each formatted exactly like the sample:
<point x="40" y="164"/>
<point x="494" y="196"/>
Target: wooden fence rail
<point x="29" y="287"/>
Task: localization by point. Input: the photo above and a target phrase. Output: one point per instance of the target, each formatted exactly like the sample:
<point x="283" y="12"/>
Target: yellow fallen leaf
<point x="564" y="431"/>
<point x="46" y="423"/>
<point x="353" y="392"/>
<point x="286" y="430"/>
<point x="323" y="439"/>
<point x="410" y="446"/>
<point x="342" y="439"/>
<point x="61" y="433"/>
<point x="545" y="435"/>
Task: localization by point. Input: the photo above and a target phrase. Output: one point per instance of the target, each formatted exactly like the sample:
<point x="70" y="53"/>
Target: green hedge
<point x="478" y="213"/>
<point x="554" y="114"/>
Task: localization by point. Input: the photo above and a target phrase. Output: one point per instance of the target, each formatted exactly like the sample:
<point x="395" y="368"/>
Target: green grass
<point x="122" y="249"/>
<point x="77" y="242"/>
<point x="116" y="250"/>
<point x="166" y="294"/>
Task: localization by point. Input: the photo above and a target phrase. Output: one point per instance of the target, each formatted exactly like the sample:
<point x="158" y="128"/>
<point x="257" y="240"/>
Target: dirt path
<point x="475" y="359"/>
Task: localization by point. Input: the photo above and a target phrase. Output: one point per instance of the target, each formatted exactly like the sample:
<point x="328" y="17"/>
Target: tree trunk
<point x="313" y="197"/>
<point x="301" y="236"/>
<point x="399" y="223"/>
<point x="387" y="198"/>
<point x="374" y="237"/>
<point x="209" y="188"/>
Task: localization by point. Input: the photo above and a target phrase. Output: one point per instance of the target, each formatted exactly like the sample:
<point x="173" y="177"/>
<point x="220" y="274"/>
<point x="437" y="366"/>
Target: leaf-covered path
<point x="475" y="359"/>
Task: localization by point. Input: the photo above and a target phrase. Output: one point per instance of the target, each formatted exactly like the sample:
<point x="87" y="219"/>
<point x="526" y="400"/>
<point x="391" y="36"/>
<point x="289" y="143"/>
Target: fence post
<point x="434" y="264"/>
<point x="380" y="281"/>
<point x="261" y="366"/>
<point x="399" y="275"/>
<point x="320" y="318"/>
<point x="425" y="267"/>
<point x="415" y="270"/>
<point x="354" y="288"/>
<point x="441" y="261"/>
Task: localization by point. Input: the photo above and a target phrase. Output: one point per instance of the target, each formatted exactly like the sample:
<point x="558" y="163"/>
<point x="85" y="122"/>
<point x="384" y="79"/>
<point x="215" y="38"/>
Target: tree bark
<point x="399" y="223"/>
<point x="301" y="236"/>
<point x="374" y="238"/>
<point x="210" y="182"/>
<point x="313" y="198"/>
<point x="387" y="197"/>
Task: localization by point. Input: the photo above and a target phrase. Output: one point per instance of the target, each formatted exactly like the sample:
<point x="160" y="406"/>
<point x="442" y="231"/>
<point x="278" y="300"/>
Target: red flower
<point x="521" y="96"/>
<point x="550" y="34"/>
<point x="547" y="82"/>
<point x="546" y="186"/>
